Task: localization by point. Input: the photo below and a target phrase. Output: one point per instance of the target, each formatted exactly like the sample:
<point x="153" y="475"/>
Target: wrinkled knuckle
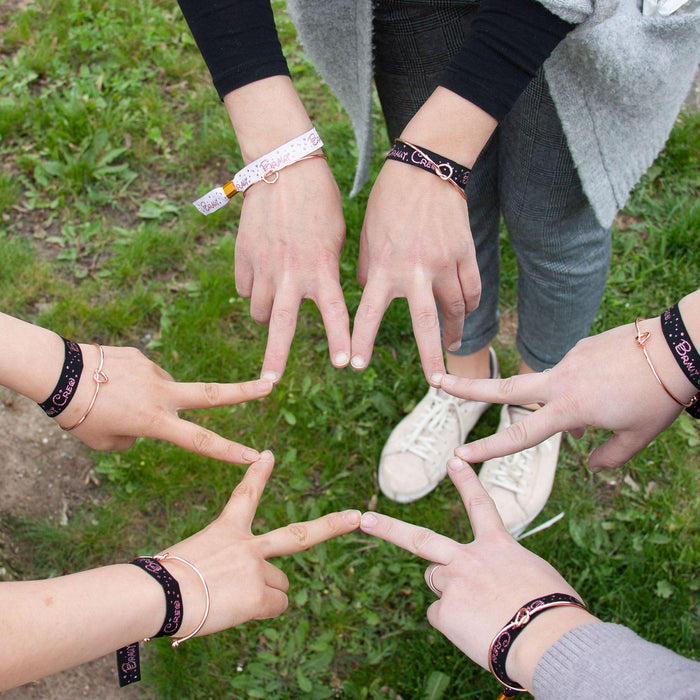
<point x="426" y="320"/>
<point x="508" y="386"/>
<point x="300" y="532"/>
<point x="283" y="318"/>
<point x="422" y="538"/>
<point x="454" y="309"/>
<point x="202" y="440"/>
<point x="212" y="393"/>
<point x="370" y="312"/>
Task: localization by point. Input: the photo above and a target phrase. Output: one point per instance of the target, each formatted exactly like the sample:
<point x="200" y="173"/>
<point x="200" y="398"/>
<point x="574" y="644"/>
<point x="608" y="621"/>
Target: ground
<point x="47" y="473"/>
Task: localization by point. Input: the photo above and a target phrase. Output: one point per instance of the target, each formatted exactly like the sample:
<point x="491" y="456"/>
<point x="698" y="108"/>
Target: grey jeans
<point x="525" y="174"/>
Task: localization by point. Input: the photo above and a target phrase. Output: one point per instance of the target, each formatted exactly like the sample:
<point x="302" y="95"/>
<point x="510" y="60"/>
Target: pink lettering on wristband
<point x="260" y="169"/>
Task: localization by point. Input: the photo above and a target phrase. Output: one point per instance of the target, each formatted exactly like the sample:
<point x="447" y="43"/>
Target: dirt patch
<point x="46" y="474"/>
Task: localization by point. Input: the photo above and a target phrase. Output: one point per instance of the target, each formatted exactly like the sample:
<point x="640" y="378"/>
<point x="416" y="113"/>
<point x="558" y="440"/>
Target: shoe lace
<point x="511" y="471"/>
<point x="421" y="442"/>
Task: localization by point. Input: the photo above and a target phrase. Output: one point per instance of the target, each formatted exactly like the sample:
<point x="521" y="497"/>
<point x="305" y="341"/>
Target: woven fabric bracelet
<point x="684" y="351"/>
<point x="454" y="173"/>
<point x="503" y="641"/>
<point x="100" y="378"/>
<point x="288" y="153"/>
<point x="642" y="338"/>
<point x="68" y="381"/>
<point x="128" y="663"/>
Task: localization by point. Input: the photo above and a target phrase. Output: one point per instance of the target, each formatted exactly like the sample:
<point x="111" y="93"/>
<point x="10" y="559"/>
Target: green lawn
<point x="105" y="137"/>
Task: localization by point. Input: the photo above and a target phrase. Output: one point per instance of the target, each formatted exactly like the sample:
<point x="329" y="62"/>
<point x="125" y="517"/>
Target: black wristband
<point x="68" y="381"/>
<point x="502" y="642"/>
<point x="444" y="168"/>
<point x="128" y="664"/>
<point x="683" y="351"/>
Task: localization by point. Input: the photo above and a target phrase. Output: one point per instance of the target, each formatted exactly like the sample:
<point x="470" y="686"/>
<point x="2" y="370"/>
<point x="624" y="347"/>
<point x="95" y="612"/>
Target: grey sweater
<point x="609" y="661"/>
<point x="618" y="81"/>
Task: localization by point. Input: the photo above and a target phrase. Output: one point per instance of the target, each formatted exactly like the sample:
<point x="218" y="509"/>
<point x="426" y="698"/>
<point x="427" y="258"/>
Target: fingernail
<point x="455" y="346"/>
<point x="358" y="362"/>
<point x="436" y="378"/>
<point x="263" y="385"/>
<point x="266" y="454"/>
<point x="455" y="464"/>
<point x="270" y="376"/>
<point x="251" y="455"/>
<point x="341" y="359"/>
<point x="462" y="452"/>
<point x="352" y="517"/>
<point x="368" y="521"/>
<point x="448" y="380"/>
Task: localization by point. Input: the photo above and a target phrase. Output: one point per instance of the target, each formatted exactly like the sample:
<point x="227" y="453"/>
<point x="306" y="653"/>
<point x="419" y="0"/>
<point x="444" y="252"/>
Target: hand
<point x="483" y="583"/>
<point x="141" y="400"/>
<point x="603" y="381"/>
<point x="416" y="243"/>
<point x="243" y="585"/>
<point x="287" y="250"/>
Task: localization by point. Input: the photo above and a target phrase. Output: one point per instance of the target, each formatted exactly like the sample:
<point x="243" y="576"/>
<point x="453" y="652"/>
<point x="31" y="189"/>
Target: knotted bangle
<point x="128" y="663"/>
<point x="265" y="168"/>
<point x="100" y="378"/>
<point x="684" y="352"/>
<point x="503" y="641"/>
<point x="68" y="381"/>
<point x="446" y="169"/>
<point x="642" y="338"/>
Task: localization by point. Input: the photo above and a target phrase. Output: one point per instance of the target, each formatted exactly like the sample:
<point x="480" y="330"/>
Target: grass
<point x="105" y="137"/>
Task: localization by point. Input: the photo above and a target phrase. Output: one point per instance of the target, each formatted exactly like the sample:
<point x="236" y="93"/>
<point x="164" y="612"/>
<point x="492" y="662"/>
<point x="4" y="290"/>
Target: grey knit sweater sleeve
<point x="604" y="660"/>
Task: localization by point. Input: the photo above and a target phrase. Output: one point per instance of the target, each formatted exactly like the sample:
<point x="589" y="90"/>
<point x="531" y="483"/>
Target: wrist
<point x="451" y="126"/>
<point x="529" y="648"/>
<point x="265" y="114"/>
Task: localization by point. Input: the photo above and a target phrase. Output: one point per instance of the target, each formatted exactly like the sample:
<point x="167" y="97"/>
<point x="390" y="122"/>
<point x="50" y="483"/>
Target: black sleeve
<point x="506" y="44"/>
<point x="237" y="39"/>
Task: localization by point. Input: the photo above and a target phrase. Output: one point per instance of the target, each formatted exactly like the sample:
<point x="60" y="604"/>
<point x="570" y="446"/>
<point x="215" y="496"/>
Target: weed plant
<point x="109" y="127"/>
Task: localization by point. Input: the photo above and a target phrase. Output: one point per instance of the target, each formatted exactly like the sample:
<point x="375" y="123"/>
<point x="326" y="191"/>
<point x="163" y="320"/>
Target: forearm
<point x="59" y="623"/>
<point x="31" y="358"/>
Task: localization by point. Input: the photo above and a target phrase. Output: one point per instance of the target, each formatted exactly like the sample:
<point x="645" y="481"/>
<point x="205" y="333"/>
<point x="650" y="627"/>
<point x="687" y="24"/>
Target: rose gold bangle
<point x="177" y="641"/>
<point x="642" y="338"/>
<point x="100" y="378"/>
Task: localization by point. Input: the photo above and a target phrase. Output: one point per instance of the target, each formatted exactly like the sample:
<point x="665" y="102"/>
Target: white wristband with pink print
<point x="263" y="168"/>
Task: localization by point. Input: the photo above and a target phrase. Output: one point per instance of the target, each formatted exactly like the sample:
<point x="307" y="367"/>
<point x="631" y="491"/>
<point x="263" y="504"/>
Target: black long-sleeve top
<point x="506" y="44"/>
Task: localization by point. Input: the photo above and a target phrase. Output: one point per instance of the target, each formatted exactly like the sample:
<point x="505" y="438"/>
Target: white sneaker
<point x="520" y="483"/>
<point x="414" y="459"/>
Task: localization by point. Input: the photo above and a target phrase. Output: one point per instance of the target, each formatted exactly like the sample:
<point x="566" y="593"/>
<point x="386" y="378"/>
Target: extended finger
<point x="482" y="511"/>
<point x="283" y="324"/>
<point x="373" y="304"/>
<point x="297" y="537"/>
<point x="209" y="394"/>
<point x="240" y="509"/>
<point x="201" y="441"/>
<point x="336" y="321"/>
<point x="518" y="390"/>
<point x="418" y="540"/>
<point x="426" y="329"/>
<point x="530" y="431"/>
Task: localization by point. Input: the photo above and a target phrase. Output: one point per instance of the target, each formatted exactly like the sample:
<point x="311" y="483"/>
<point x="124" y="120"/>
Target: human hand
<point x="243" y="585"/>
<point x="287" y="250"/>
<point x="140" y="399"/>
<point x="603" y="381"/>
<point x="415" y="243"/>
<point x="483" y="583"/>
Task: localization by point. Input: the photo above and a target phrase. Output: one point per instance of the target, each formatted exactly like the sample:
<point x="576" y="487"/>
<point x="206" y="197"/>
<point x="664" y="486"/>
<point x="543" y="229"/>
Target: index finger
<point x="297" y="537"/>
<point x="336" y="321"/>
<point x="210" y="394"/>
<point x="421" y="541"/>
<point x="518" y="390"/>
